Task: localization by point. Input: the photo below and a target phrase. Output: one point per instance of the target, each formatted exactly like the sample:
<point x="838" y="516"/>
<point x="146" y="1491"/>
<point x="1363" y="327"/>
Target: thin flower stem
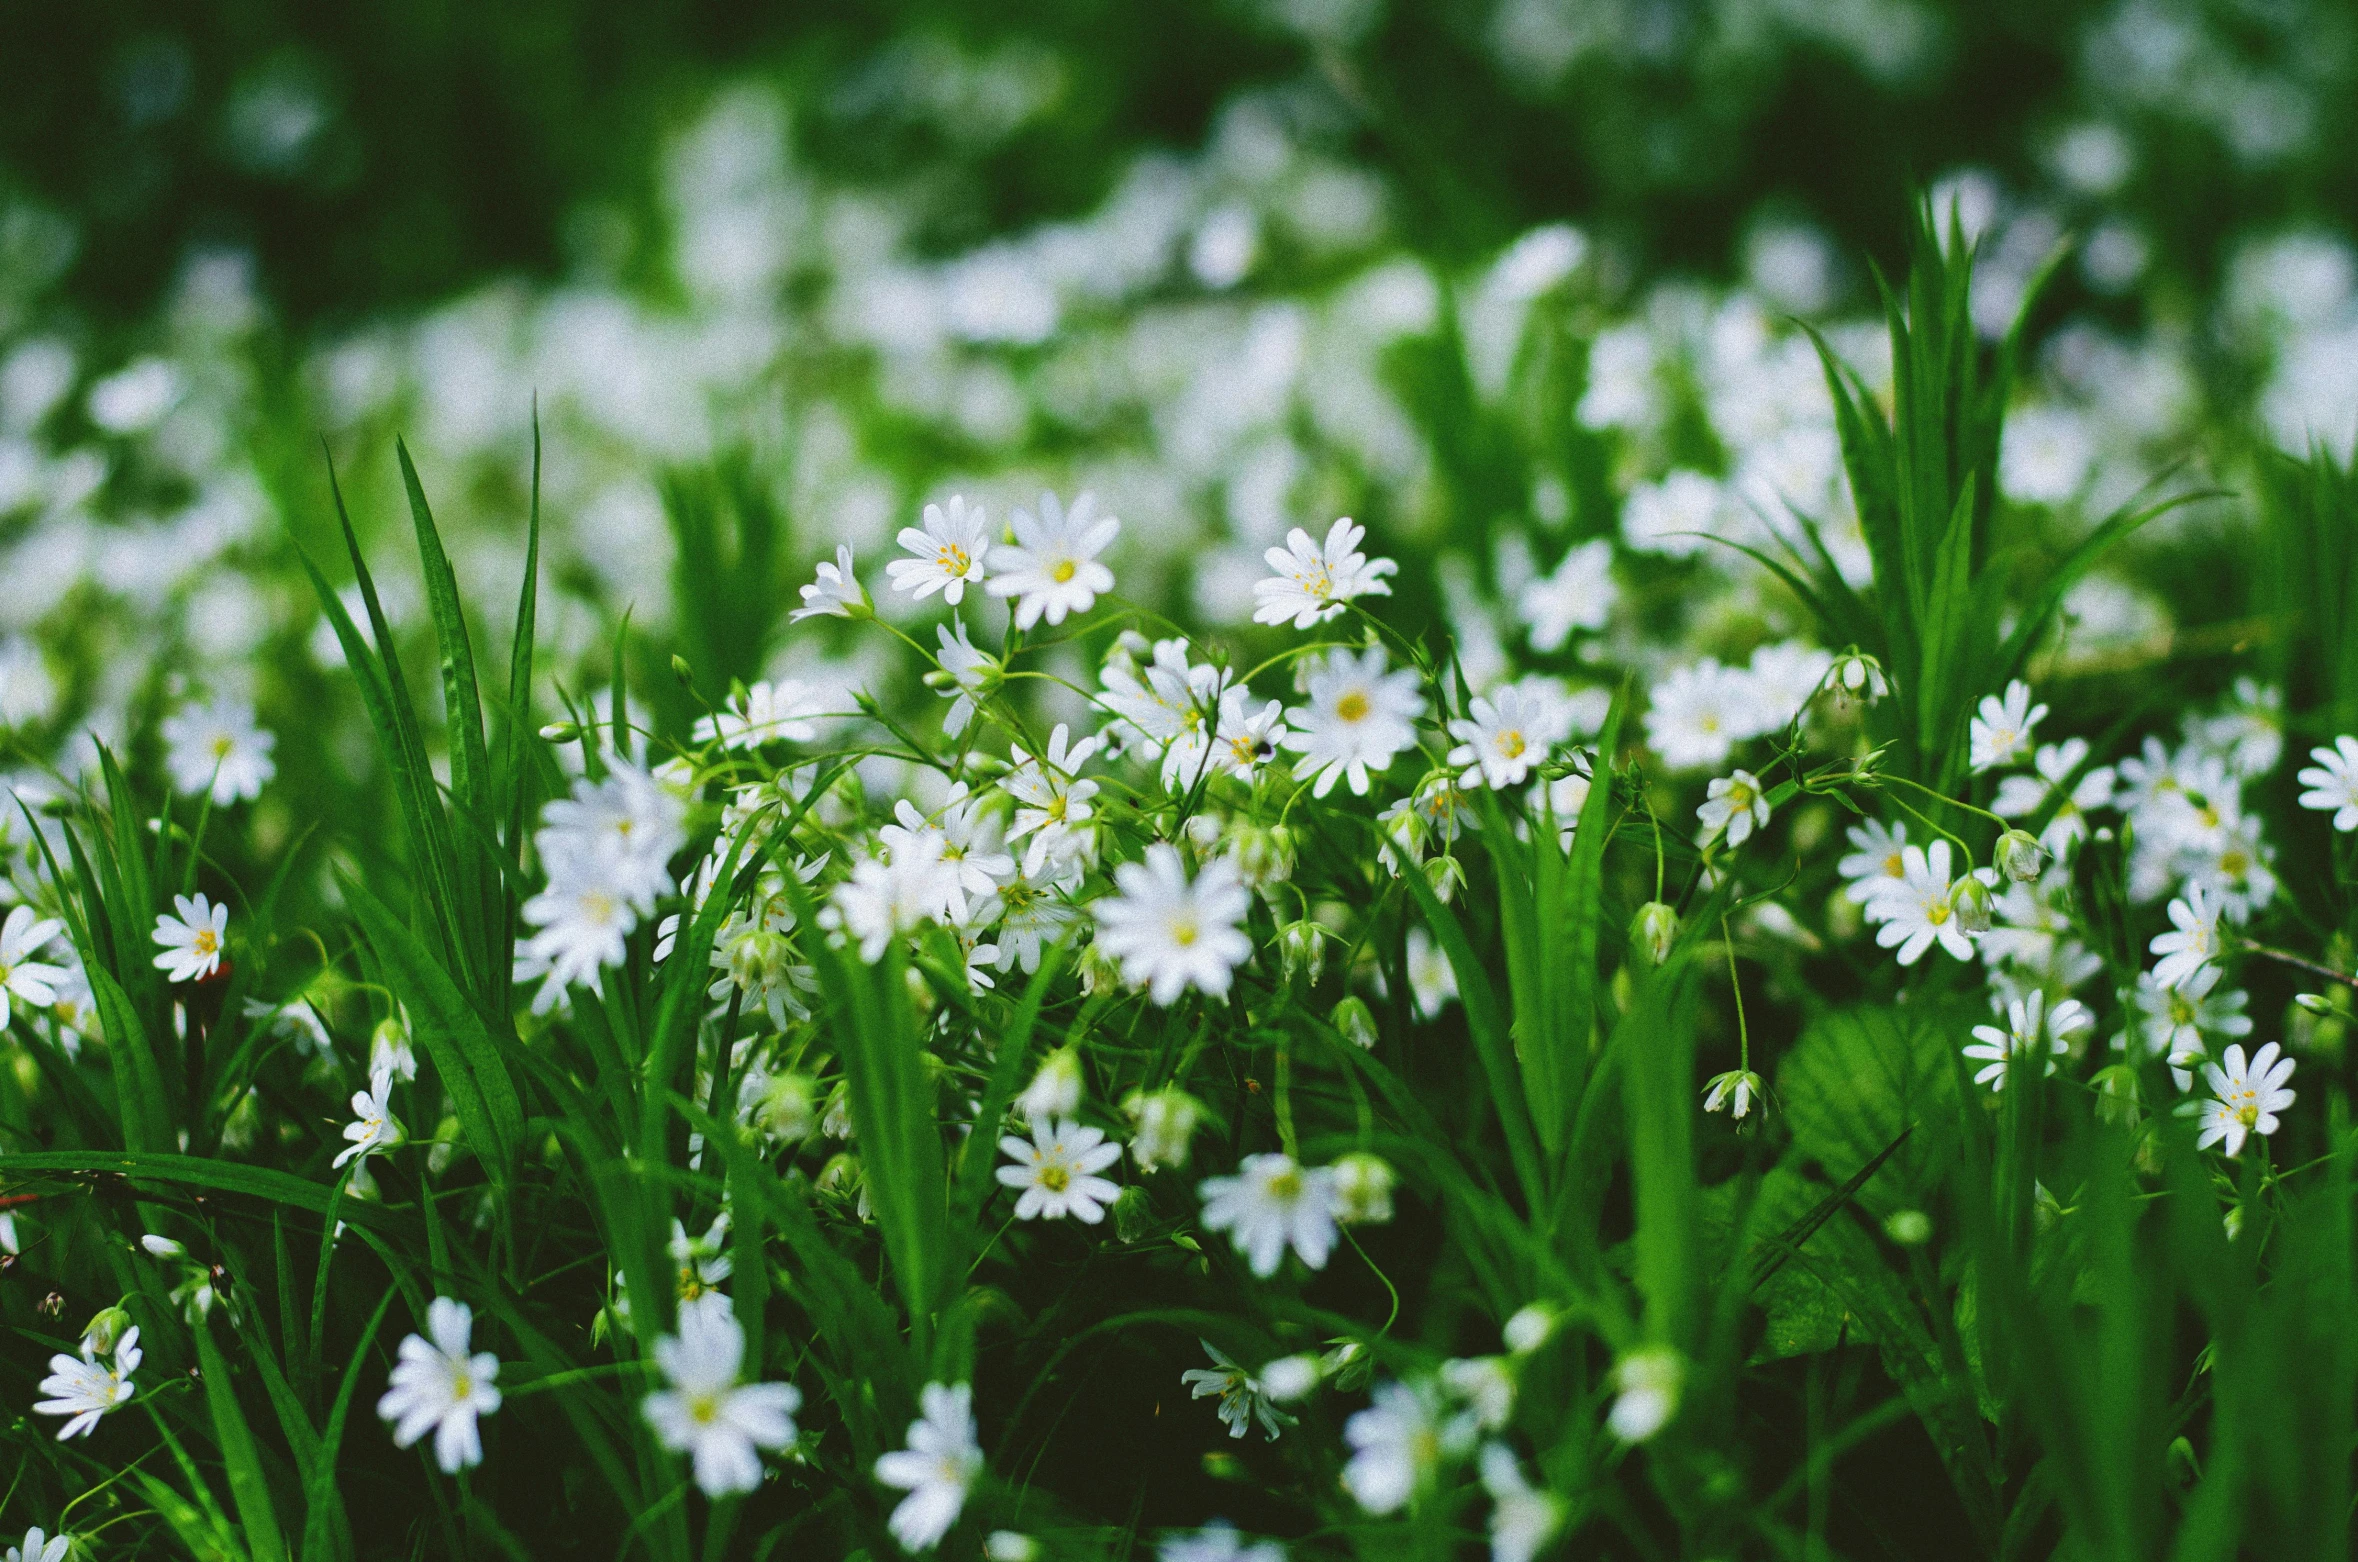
<point x="1736" y="986"/>
<point x="2311" y="966"/>
<point x="1389" y="1289"/>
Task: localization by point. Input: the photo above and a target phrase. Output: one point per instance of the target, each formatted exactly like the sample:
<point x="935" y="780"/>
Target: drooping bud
<point x="1733" y="1091"/>
<point x="1162" y="1122"/>
<point x="788" y="1108"/>
<point x="1529" y="1328"/>
<point x="1356" y="1023"/>
<point x="1363" y="1189"/>
<point x="1648" y="1381"/>
<point x="1133" y="1213"/>
<point x="1860" y="677"/>
<point x="1653" y="931"/>
<point x="1301" y="951"/>
<point x="2020" y="856"/>
<point x="1909" y="1227"/>
<point x="104" y="1331"/>
<point x="1969" y="900"/>
<point x="1055" y="1091"/>
<point x="1290" y="1378"/>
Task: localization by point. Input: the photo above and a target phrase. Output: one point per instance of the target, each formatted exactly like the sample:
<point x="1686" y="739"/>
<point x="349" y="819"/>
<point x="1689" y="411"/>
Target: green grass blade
<point x="249" y="1486"/>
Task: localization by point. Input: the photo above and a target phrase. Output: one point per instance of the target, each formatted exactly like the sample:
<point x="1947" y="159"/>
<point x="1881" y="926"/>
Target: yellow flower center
<point x="1055" y="1178"/>
<point x="1286" y="1185"/>
<point x="205" y="943"/>
<point x="1511" y="745"/>
<point x="954" y="560"/>
<point x="222" y="746"/>
<point x="704" y="1409"/>
<point x="1936" y="913"/>
<point x="1064" y="571"/>
<point x="1352" y="706"/>
<point x="1183" y="931"/>
<point x="2234" y="864"/>
<point x="461" y="1385"/>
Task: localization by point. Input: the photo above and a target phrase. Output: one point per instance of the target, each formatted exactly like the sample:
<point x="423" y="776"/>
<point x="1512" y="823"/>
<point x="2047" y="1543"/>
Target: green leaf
<point x="195" y="1171"/>
<point x="249" y="1487"/>
<point x="1860" y="1078"/>
<point x="451" y="1031"/>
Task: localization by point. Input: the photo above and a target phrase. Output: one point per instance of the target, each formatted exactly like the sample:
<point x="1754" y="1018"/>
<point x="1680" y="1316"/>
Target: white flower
<point x="83" y="1391"/>
<point x="966" y="844"/>
<point x="1312" y="581"/>
<point x="1052" y="804"/>
<point x="707" y="1414"/>
<point x="1647" y="1383"/>
<point x="1055" y="1091"/>
<point x="940" y="1463"/>
<point x="1737" y="804"/>
<point x="1057" y="1170"/>
<point x="2021" y="796"/>
<point x="947" y="556"/>
<point x="192" y="941"/>
<point x="1271" y="1203"/>
<point x="1920" y="909"/>
<point x="1698" y="714"/>
<point x="1397" y="1443"/>
<point x="1579" y="595"/>
<point x="1169" y="934"/>
<point x="40" y="1547"/>
<point x="581" y="922"/>
<point x="965" y="678"/>
<point x="1507" y="734"/>
<point x="884" y="899"/>
<point x="21" y="976"/>
<point x="2176" y="1019"/>
<point x="765" y="713"/>
<point x="217" y="749"/>
<point x="1786" y="675"/>
<point x="374" y="1126"/>
<point x="1217" y="1542"/>
<point x="1877" y="859"/>
<point x="836" y="593"/>
<point x="1242" y="1398"/>
<point x="1359" y="716"/>
<point x="1523" y="1519"/>
<point x="2001" y="730"/>
<point x="2028" y="1026"/>
<point x="2333" y="782"/>
<point x="2246" y="1098"/>
<point x="440" y="1384"/>
<point x="2193" y="944"/>
<point x="1246" y="739"/>
<point x="1171" y="704"/>
<point x="1485" y="1385"/>
<point x="619" y="833"/>
<point x="1051" y="568"/>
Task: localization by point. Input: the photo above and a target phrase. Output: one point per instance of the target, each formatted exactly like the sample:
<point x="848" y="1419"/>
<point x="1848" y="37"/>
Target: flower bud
<point x="1301" y="951"/>
<point x="104" y="1330"/>
<point x="2020" y="856"/>
<point x="1734" y="1090"/>
<point x="1969" y="900"/>
<point x="1859" y="676"/>
<point x="1909" y="1227"/>
<point x="1648" y="1381"/>
<point x="1653" y="931"/>
<point x="1162" y="1122"/>
<point x="1055" y="1091"/>
<point x="787" y="1108"/>
<point x="1348" y="1366"/>
<point x="1006" y="1545"/>
<point x="163" y="1247"/>
<point x="1290" y="1378"/>
<point x="1357" y="1025"/>
<point x="1363" y="1189"/>
<point x="1529" y="1328"/>
<point x="1133" y="1213"/>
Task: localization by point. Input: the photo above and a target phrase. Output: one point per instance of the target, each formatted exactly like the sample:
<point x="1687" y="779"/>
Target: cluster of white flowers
<point x="607" y="851"/>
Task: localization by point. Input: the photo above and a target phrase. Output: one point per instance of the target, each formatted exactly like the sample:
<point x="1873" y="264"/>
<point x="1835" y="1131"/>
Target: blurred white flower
<point x="442" y="1385"/>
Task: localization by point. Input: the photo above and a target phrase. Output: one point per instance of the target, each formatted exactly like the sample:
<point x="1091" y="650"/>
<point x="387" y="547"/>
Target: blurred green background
<point x="386" y="153"/>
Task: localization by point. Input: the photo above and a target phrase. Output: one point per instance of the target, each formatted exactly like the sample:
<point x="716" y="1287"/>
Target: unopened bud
<point x="1653" y="931"/>
<point x="104" y="1331"/>
<point x="1529" y="1328"/>
<point x="2020" y="856"/>
<point x="1969" y="900"/>
<point x="1909" y="1227"/>
<point x="1357" y="1025"/>
<point x="681" y="671"/>
<point x="1055" y="1091"/>
<point x="1290" y="1378"/>
<point x="1161" y="1123"/>
<point x="1363" y="1189"/>
<point x="163" y="1247"/>
<point x="1301" y="951"/>
<point x="1133" y="1213"/>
